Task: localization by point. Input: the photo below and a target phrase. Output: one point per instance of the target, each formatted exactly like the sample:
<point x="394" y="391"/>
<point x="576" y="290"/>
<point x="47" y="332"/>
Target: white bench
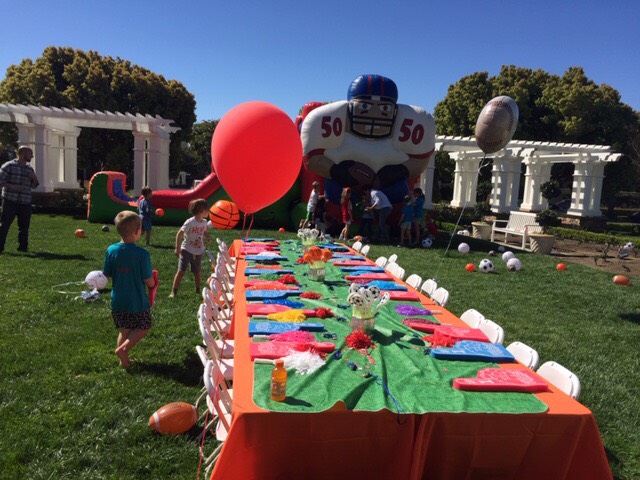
<point x="520" y="224"/>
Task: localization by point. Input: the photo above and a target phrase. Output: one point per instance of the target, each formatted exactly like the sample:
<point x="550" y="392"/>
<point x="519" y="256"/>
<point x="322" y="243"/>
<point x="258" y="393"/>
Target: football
<point x="174" y="418"/>
<point x="363" y="175"/>
<point x="621" y="280"/>
<point x="496" y="124"/>
<point x="427" y="243"/>
<point x="513" y="265"/>
<point x="464" y="248"/>
<point x="486" y="266"/>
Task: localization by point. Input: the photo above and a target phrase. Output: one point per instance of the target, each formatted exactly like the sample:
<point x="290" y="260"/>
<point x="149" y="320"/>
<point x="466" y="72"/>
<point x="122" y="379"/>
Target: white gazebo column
<point x="63" y="158"/>
<point x="37" y="137"/>
<point x="426" y="184"/>
<point x="587" y="189"/>
<point x="506" y="183"/>
<point x="465" y="180"/>
<point x="140" y="160"/>
<point x="536" y="175"/>
<point x="158" y="165"/>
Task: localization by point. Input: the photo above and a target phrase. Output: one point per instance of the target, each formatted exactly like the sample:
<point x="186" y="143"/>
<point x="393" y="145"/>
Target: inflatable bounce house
<point x="367" y="140"/>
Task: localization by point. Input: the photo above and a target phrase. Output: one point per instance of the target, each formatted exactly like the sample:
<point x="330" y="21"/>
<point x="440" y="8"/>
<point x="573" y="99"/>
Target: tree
<point x="64" y="77"/>
<point x="200" y="148"/>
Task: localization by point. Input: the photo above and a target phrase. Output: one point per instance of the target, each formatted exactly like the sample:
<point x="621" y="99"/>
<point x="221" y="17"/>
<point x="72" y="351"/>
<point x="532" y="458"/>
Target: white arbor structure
<point x="538" y="157"/>
<point x="52" y="133"/>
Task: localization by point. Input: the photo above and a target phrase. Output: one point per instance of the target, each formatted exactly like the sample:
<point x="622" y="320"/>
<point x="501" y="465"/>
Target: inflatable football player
<point x="369" y="139"/>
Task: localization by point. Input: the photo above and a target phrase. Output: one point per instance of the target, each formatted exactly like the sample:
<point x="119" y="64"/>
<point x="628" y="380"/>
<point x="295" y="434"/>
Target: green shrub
<point x="548" y="218"/>
<point x="550" y="189"/>
<point x="585" y="236"/>
<point x="481" y="209"/>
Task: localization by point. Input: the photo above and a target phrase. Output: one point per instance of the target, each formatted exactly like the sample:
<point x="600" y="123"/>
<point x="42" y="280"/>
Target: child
<point x="347" y="213"/>
<point x="418" y="213"/>
<point x="311" y="205"/>
<point x="320" y="216"/>
<point x="432" y="229"/>
<point x="145" y="209"/>
<point x="406" y="221"/>
<point x="189" y="244"/>
<point x="130" y="267"/>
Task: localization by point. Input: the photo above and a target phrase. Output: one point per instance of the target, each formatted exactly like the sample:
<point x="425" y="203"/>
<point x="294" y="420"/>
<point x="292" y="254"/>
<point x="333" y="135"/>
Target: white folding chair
<point x="524" y="354"/>
<point x="393" y="258"/>
<point x="441" y="296"/>
<point x="414" y="280"/>
<point x="381" y="261"/>
<point x="357" y="246"/>
<point x="429" y="286"/>
<point x="472" y="317"/>
<point x="210" y="313"/>
<point x="219" y="404"/>
<point x="211" y="297"/>
<point x="224" y="250"/>
<point x="559" y="376"/>
<point x="395" y="270"/>
<point x="493" y="331"/>
<point x="365" y="250"/>
<point x="217" y="347"/>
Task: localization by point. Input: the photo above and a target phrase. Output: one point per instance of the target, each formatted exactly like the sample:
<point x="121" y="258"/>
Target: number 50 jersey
<point x="327" y="131"/>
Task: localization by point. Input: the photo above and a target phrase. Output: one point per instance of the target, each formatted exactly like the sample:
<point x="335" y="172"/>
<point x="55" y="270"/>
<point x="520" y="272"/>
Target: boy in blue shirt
<point x="406" y="221"/>
<point x="130" y="267"/>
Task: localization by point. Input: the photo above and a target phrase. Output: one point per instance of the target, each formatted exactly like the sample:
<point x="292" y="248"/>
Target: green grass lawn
<point x="68" y="411"/>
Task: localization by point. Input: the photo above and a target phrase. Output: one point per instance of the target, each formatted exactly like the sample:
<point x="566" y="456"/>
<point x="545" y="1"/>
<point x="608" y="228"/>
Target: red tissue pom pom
<point x="288" y="279"/>
<point x="358" y="340"/>
<point x="322" y="312"/>
<point x="311" y="295"/>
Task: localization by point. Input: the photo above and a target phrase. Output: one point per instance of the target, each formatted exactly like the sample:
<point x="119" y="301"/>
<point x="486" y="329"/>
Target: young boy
<point x="320" y="216"/>
<point x="145" y="209"/>
<point x="406" y="221"/>
<point x="189" y="244"/>
<point x="130" y="267"/>
<point x="311" y="205"/>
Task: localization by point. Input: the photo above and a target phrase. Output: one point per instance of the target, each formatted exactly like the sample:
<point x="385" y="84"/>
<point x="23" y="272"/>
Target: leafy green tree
<point x="64" y="77"/>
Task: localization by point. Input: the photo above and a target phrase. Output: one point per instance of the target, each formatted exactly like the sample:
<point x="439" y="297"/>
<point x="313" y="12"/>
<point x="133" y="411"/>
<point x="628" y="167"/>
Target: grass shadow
<point x="630" y="317"/>
<point x="47" y="256"/>
<point x="189" y="373"/>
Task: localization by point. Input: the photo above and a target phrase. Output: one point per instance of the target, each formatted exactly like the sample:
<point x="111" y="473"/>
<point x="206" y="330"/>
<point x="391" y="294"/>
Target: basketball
<point x="174" y="418"/>
<point x="224" y="215"/>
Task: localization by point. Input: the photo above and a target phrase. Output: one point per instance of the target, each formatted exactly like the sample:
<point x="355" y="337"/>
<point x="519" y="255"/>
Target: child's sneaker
<point x="173" y="294"/>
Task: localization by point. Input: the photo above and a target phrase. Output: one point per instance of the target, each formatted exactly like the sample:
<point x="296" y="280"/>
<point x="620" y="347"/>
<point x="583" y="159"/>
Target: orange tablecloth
<point x="563" y="443"/>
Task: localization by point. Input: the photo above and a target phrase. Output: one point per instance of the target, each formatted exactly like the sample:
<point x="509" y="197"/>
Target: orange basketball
<point x="470" y="267"/>
<point x="80" y="233"/>
<point x="561" y="266"/>
<point x="622" y="280"/>
<point x="224" y="215"/>
<point x="174" y="418"/>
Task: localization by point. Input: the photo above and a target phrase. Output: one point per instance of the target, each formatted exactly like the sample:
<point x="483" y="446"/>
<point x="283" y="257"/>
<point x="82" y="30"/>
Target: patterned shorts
<point x="132" y="320"/>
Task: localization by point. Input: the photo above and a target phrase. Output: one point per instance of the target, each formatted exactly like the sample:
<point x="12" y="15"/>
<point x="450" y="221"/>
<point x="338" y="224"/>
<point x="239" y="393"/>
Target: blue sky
<point x="292" y="52"/>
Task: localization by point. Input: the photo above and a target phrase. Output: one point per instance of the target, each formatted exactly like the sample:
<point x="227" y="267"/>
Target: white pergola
<point x="589" y="161"/>
<point x="52" y="133"/>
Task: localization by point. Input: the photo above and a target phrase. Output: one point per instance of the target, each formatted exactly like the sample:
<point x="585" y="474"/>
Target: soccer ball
<point x="629" y="246"/>
<point x="96" y="279"/>
<point x="464" y="248"/>
<point x="427" y="243"/>
<point x="513" y="265"/>
<point x="486" y="266"/>
<point x="506" y="256"/>
<point x="105" y="228"/>
<point x="464" y="233"/>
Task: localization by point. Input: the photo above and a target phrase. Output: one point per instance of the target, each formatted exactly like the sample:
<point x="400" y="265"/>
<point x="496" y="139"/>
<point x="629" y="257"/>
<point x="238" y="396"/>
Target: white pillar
<point x="426" y="184"/>
<point x="536" y="175"/>
<point x="140" y="160"/>
<point x="37" y="138"/>
<point x="63" y="158"/>
<point x="506" y="184"/>
<point x="465" y="180"/>
<point x="158" y="174"/>
<point x="587" y="189"/>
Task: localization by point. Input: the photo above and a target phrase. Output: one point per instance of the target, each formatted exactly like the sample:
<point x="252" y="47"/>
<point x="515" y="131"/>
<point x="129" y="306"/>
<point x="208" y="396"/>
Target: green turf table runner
<point x="401" y="368"/>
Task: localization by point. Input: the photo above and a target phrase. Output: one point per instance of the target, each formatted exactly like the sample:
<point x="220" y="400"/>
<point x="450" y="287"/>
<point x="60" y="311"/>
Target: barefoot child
<point x="406" y="221"/>
<point x="130" y="267"/>
<point x="145" y="209"/>
<point x="189" y="244"/>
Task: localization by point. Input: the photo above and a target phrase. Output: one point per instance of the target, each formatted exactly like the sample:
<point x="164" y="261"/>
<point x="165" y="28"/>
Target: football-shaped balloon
<point x="621" y="280"/>
<point x="159" y="212"/>
<point x="174" y="418"/>
<point x="80" y="233"/>
<point x="496" y="124"/>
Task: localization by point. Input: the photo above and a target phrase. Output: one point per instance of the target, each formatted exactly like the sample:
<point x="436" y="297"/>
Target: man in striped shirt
<point x="17" y="179"/>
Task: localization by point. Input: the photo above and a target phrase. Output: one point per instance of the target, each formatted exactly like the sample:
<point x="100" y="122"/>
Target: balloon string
<point x="250" y="225"/>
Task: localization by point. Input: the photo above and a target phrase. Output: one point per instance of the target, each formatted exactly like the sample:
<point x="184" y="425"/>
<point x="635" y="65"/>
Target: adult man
<point x="379" y="202"/>
<point x="17" y="179"/>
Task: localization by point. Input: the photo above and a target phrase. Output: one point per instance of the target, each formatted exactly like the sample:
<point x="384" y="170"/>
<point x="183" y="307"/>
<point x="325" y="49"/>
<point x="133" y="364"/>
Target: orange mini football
<point x="174" y="418"/>
<point x="80" y="233"/>
<point x="622" y="280"/>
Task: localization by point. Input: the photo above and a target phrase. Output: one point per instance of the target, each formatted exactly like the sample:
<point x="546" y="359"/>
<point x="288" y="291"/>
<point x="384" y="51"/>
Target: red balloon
<point x="257" y="154"/>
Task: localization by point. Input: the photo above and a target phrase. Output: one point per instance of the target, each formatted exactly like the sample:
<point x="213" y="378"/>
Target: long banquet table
<point x="561" y="443"/>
